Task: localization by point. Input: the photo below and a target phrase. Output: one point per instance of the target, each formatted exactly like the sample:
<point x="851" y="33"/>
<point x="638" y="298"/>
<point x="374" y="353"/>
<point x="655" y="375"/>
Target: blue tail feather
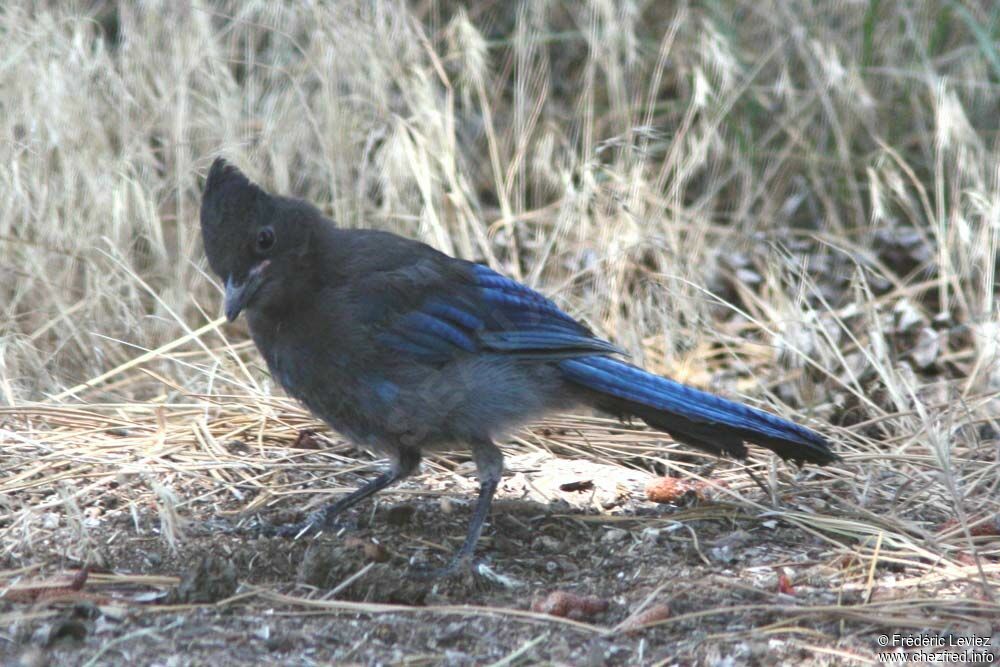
<point x="690" y="415"/>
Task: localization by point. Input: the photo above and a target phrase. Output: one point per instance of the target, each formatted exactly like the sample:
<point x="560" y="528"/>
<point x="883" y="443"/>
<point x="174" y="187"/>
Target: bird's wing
<point x="435" y="310"/>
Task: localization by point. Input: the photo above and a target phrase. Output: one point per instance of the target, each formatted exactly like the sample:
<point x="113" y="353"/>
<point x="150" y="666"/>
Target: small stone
<point x="675" y="490"/>
<point x="650" y="536"/>
<point x="614" y="536"/>
<point x="925" y="350"/>
<point x="546" y="543"/>
<point x="748" y="277"/>
<point x="908" y="315"/>
<point x="33" y="657"/>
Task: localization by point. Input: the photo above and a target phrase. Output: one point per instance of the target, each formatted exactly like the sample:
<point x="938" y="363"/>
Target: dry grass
<point x="793" y="203"/>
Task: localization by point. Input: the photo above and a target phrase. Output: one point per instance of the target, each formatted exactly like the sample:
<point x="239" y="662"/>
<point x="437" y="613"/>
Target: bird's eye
<point x="265" y="239"/>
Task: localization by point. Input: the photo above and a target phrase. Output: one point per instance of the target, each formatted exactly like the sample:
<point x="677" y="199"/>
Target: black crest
<point x="229" y="207"/>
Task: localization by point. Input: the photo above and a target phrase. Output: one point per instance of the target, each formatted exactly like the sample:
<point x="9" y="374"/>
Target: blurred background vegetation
<point x="788" y="198"/>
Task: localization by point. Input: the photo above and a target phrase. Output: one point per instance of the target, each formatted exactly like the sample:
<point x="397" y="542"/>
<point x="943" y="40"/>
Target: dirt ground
<point x="723" y="576"/>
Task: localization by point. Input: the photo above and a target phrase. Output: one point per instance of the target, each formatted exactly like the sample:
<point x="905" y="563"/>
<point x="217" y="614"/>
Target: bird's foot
<point x="454" y="569"/>
<point x="464" y="570"/>
<point x="315" y="523"/>
<point x="219" y="526"/>
<point x="292" y="530"/>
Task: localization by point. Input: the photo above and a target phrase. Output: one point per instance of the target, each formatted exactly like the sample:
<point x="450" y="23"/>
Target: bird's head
<point x="257" y="243"/>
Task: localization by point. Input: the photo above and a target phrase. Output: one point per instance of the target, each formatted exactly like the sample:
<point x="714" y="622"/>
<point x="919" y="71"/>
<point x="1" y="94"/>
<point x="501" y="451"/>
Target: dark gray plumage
<point x="402" y="348"/>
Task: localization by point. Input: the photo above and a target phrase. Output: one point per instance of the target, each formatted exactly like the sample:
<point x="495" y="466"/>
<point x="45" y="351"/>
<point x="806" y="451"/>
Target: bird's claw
<point x="476" y="572"/>
<point x="429" y="573"/>
<point x="288" y="530"/>
<point x="315" y="523"/>
<point x="221" y="527"/>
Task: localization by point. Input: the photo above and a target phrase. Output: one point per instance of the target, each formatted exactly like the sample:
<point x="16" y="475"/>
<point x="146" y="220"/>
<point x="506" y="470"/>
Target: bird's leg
<point x="403" y="464"/>
<point x="489" y="468"/>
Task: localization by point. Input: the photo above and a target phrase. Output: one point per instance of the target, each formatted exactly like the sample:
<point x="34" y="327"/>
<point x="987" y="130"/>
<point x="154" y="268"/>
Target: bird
<point x="403" y="349"/>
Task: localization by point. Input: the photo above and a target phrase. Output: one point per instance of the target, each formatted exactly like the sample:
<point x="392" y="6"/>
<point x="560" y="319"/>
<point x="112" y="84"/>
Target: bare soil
<point x="729" y="585"/>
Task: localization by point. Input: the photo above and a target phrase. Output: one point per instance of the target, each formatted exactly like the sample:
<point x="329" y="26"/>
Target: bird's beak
<point x="238" y="295"/>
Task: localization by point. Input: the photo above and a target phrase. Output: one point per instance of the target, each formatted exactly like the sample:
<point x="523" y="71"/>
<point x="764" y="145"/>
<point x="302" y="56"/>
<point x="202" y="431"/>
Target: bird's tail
<point x="689" y="415"/>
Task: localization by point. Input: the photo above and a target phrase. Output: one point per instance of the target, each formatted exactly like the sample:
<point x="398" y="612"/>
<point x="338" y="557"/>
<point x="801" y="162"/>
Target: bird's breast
<point x="314" y="366"/>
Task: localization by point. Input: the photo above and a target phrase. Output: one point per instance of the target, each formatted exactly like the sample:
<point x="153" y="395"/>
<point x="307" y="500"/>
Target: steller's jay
<point x="402" y="348"/>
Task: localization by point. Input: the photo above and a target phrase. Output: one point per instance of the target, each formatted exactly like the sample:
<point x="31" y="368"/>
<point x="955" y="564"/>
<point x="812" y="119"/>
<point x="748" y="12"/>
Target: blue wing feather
<point x="492" y="313"/>
<point x="543" y="340"/>
<point x="456" y="313"/>
<point x="425" y="324"/>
